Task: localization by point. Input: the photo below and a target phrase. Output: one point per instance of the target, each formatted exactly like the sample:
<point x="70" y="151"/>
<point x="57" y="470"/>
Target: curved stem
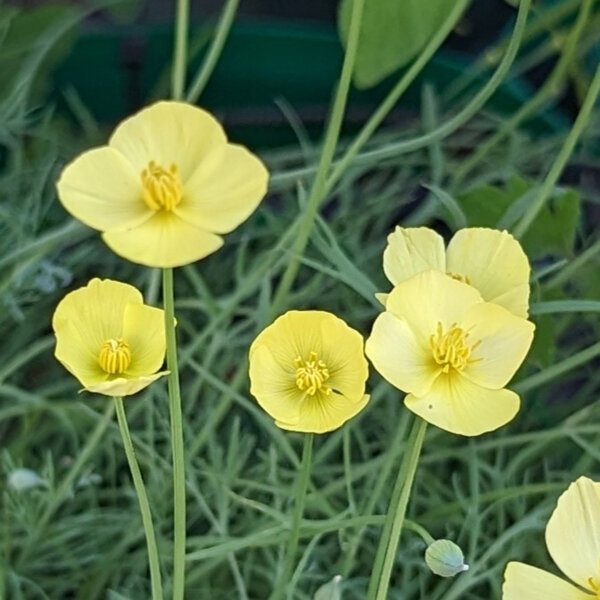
<point x="142" y="496"/>
<point x="300" y="496"/>
<point x="388" y="543"/>
<point x="562" y="158"/>
<point x="180" y="49"/>
<point x="317" y="192"/>
<point x="179" y="523"/>
<point x="208" y="66"/>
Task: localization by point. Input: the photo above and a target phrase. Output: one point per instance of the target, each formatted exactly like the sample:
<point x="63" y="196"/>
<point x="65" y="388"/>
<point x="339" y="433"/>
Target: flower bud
<point x="331" y="590"/>
<point x="445" y="558"/>
<point x="24" y="479"/>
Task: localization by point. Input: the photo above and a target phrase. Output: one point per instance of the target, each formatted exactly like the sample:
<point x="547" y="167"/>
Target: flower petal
<point x="96" y="312"/>
<point x="322" y="413"/>
<point x="144" y="331"/>
<point x="344" y="355"/>
<point x="163" y="241"/>
<point x="101" y="189"/>
<point x="169" y="133"/>
<point x="411" y="251"/>
<point x="431" y="298"/>
<point x="522" y="582"/>
<point x="273" y="386"/>
<point x="397" y="355"/>
<point x="124" y="387"/>
<point x="573" y="532"/>
<point x="495" y="264"/>
<point x="218" y="199"/>
<point x="459" y="406"/>
<point x="504" y="341"/>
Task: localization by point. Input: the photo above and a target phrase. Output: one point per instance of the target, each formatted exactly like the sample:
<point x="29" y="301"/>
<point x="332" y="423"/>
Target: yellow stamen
<point x="458" y="277"/>
<point x="114" y="356"/>
<point x="594" y="584"/>
<point x="451" y="349"/>
<point x="311" y="375"/>
<point x="162" y="188"/>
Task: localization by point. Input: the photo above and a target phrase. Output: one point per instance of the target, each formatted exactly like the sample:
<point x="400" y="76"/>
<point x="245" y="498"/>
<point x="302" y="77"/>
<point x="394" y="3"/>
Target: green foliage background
<point x="79" y="534"/>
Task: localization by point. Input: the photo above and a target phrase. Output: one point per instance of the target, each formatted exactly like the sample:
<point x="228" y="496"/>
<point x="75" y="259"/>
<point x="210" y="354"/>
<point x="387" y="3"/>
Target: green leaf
<point x="552" y="233"/>
<point x="392" y="33"/>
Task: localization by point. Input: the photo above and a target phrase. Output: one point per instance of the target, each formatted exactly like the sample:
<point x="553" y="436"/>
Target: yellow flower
<point x="573" y="540"/>
<point x="165" y="187"/>
<point x="451" y="352"/>
<point x="109" y="339"/>
<point x="491" y="261"/>
<point x="308" y="371"/>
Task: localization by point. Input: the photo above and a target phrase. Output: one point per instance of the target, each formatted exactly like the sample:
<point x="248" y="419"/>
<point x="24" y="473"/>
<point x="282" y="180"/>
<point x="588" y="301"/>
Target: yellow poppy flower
<point x="451" y="352"/>
<point x="165" y="187"/>
<point x="491" y="261"/>
<point x="109" y="339"/>
<point x="573" y="540"/>
<point x="308" y="371"/>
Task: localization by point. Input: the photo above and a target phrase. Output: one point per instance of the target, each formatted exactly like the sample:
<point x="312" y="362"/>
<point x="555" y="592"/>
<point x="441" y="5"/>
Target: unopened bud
<point x="445" y="558"/>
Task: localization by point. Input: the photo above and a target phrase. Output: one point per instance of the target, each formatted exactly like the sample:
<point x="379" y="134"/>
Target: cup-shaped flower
<point x="166" y="186"/>
<point x="308" y="371"/>
<point x="451" y="352"/>
<point x="573" y="540"/>
<point x="109" y="339"/>
<point x="491" y="261"/>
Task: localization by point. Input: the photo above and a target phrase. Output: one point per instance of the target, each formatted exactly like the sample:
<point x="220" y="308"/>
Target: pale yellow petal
<point x="343" y="353"/>
<point x="125" y="387"/>
<point x="382" y="298"/>
<point x="273" y="385"/>
<point x="411" y="251"/>
<point x="495" y="264"/>
<point x="163" y="241"/>
<point x="220" y="198"/>
<point x="102" y="190"/>
<point x="503" y="341"/>
<point x="322" y="413"/>
<point x="522" y="582"/>
<point x="96" y="311"/>
<point x="399" y="357"/>
<point x="170" y="133"/>
<point x="460" y="406"/>
<point x="75" y="353"/>
<point x="431" y="298"/>
<point x="573" y="532"/>
<point x="144" y="331"/>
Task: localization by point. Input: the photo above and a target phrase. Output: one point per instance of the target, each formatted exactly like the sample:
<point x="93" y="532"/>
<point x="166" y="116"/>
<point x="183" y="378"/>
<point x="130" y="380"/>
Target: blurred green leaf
<point x="392" y="33"/>
<point x="552" y="233"/>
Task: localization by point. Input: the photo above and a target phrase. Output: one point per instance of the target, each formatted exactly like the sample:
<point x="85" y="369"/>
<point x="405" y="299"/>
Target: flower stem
<point x="300" y="496"/>
<point x="142" y="496"/>
<point x="388" y="543"/>
<point x="176" y="440"/>
<point x="180" y="49"/>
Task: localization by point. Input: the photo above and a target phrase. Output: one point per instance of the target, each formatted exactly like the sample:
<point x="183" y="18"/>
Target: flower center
<point x="311" y="375"/>
<point x="451" y="349"/>
<point x="162" y="189"/>
<point x="458" y="277"/>
<point x="114" y="356"/>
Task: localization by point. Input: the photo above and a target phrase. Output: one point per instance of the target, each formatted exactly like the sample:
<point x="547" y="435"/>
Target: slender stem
<point x="331" y="137"/>
<point x="180" y="49"/>
<point x="140" y="490"/>
<point x="208" y="66"/>
<point x="562" y="158"/>
<point x="564" y="274"/>
<point x="300" y="501"/>
<point x="388" y="543"/>
<point x="176" y="440"/>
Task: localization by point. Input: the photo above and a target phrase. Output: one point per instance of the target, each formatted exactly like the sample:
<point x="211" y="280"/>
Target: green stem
<point x="208" y="66"/>
<point x="140" y="490"/>
<point x="317" y="192"/>
<point x="180" y="49"/>
<point x="569" y="270"/>
<point x="300" y="496"/>
<point x="562" y="158"/>
<point x="176" y="440"/>
<point x="388" y="543"/>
